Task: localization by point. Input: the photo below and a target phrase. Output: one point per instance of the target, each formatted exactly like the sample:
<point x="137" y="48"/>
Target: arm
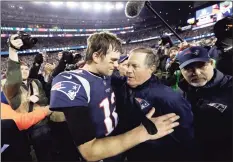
<point x="43" y="100"/>
<point x="79" y="120"/>
<point x="23" y="120"/>
<point x="93" y="149"/>
<point x="181" y="107"/>
<point x="13" y="75"/>
<point x="116" y="79"/>
<point x="33" y="74"/>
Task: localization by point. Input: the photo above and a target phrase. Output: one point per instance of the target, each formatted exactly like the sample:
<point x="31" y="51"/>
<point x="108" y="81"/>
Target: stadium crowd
<point x="154" y="100"/>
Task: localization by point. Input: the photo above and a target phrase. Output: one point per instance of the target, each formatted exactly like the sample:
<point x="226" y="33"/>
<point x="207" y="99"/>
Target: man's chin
<point x="196" y="84"/>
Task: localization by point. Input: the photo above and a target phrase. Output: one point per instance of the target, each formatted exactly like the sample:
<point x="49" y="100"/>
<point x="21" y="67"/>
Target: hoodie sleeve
<point x="23" y="120"/>
<point x="180" y="106"/>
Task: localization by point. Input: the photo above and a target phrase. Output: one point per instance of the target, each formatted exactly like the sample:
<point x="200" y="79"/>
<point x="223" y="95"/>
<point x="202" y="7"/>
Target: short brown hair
<point x="152" y="59"/>
<point x="173" y="48"/>
<point x="100" y="42"/>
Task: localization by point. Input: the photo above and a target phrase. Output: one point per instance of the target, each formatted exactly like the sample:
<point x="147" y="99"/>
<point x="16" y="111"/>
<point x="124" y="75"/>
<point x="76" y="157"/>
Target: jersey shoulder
<point x="69" y="90"/>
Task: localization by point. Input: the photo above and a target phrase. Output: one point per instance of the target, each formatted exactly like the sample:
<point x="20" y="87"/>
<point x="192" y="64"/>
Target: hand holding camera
<point x="21" y="41"/>
<point x="15" y="41"/>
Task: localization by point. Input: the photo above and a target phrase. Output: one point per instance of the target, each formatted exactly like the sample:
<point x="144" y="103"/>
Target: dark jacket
<point x="223" y="58"/>
<point x="212" y="109"/>
<point x="154" y="94"/>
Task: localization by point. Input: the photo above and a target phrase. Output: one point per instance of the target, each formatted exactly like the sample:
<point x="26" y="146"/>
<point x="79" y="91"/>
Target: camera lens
<point x="33" y="40"/>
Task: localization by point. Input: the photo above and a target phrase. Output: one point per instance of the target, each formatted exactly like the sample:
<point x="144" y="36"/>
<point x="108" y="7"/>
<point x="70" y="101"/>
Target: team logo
<point x="143" y="103"/>
<point x="196" y="52"/>
<point x="218" y="106"/>
<point x="70" y="89"/>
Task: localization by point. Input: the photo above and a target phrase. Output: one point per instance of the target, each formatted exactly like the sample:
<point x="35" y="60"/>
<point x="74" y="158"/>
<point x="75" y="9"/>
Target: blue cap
<point x="193" y="54"/>
<point x="122" y="58"/>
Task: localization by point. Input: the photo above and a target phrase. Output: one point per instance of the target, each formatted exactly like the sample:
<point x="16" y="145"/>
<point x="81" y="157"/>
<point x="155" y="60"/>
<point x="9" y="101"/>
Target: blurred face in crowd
<point x="59" y="55"/>
<point x="106" y="64"/>
<point x="49" y="68"/>
<point x="138" y="72"/>
<point x="173" y="53"/>
<point x="198" y="74"/>
<point x="123" y="67"/>
<point x="24" y="72"/>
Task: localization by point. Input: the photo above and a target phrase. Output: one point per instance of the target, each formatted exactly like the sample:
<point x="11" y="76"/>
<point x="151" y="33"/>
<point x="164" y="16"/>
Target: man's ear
<point x="212" y="62"/>
<point x="96" y="57"/>
<point x="153" y="69"/>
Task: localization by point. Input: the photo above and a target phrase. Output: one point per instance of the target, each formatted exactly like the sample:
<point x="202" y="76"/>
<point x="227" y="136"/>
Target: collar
<point x="216" y="80"/>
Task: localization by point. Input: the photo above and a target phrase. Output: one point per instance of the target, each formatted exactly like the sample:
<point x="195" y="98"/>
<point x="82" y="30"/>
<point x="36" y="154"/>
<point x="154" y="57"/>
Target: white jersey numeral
<point x="108" y="121"/>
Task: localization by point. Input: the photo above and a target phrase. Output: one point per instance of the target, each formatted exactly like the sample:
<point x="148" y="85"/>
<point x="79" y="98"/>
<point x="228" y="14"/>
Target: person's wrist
<point x="142" y="134"/>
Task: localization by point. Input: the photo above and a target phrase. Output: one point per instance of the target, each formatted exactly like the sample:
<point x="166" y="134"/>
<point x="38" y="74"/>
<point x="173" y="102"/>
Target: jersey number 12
<point x="105" y="104"/>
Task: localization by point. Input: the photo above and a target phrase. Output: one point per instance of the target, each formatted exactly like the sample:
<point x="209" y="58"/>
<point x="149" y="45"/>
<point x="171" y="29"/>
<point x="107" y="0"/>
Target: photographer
<point x="223" y="50"/>
<point x="45" y="76"/>
<point x="25" y="94"/>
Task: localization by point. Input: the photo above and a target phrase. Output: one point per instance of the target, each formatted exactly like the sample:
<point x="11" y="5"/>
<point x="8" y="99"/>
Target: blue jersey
<point x="81" y="88"/>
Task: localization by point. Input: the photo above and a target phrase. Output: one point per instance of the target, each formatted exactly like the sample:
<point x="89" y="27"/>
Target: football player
<point x="88" y="102"/>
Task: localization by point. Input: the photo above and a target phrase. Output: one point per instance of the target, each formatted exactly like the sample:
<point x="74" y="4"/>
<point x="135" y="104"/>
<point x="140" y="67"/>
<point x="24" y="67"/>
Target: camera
<point x="76" y="59"/>
<point x="28" y="41"/>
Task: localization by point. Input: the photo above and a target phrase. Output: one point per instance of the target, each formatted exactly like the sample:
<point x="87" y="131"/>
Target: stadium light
<point x="56" y="3"/>
<point x="38" y="2"/>
<point x="71" y="4"/>
<point x="108" y="6"/>
<point x="85" y="5"/>
<point x="119" y="5"/>
<point x="97" y="6"/>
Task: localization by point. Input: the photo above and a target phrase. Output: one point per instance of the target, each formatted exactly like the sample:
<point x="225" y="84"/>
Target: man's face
<point x="137" y="72"/>
<point x="123" y="67"/>
<point x="59" y="55"/>
<point x="173" y="53"/>
<point x="198" y="74"/>
<point x="24" y="72"/>
<point x="106" y="65"/>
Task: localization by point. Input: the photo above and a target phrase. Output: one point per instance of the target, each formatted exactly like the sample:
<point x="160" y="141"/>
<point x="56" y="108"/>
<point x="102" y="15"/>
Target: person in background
<point x="25" y="95"/>
<point x="210" y="93"/>
<point x="173" y="51"/>
<point x="222" y="52"/>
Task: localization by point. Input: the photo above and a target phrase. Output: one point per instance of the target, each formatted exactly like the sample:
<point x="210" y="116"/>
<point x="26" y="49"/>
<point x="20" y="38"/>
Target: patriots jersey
<point x="82" y="88"/>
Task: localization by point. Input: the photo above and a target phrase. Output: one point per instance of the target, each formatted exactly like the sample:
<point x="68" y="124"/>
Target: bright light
<point x="38" y="2"/>
<point x="21" y="7"/>
<point x="71" y="4"/>
<point x="85" y="5"/>
<point x="119" y="5"/>
<point x="97" y="6"/>
<point x="56" y="3"/>
<point x="108" y="6"/>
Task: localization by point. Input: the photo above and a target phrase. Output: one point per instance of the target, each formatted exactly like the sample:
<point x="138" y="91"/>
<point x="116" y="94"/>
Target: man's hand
<point x="38" y="59"/>
<point x="34" y="99"/>
<point x="15" y="42"/>
<point x="47" y="110"/>
<point x="164" y="124"/>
